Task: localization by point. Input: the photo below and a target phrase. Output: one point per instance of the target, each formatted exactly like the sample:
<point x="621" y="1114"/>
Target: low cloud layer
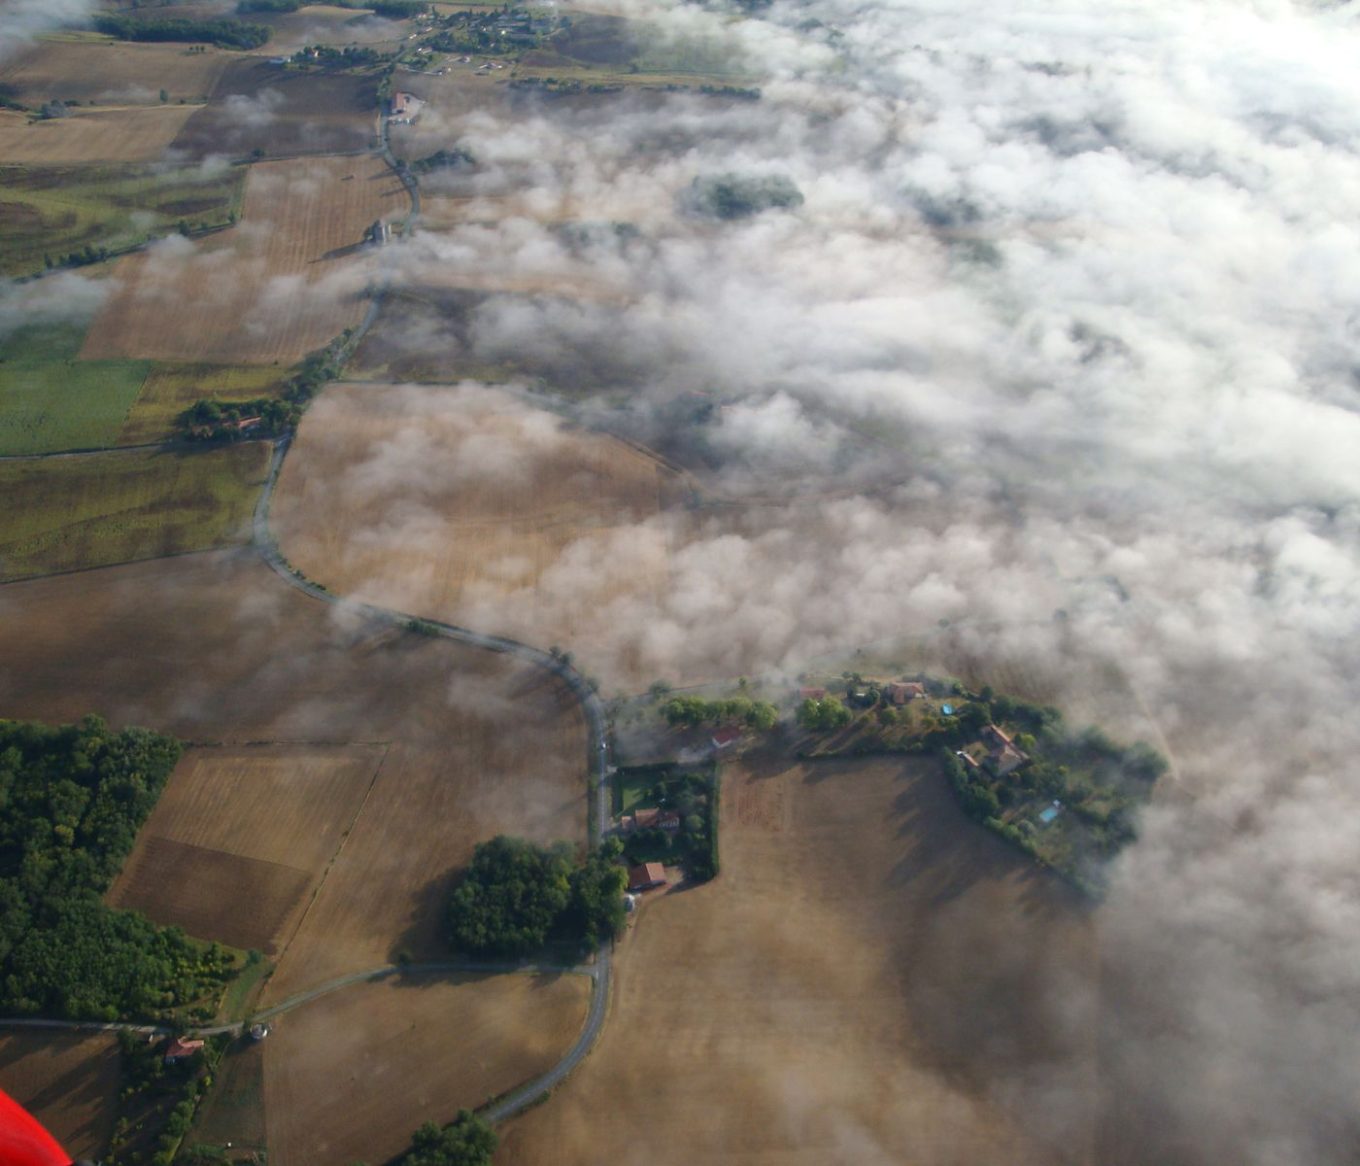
<point x="1053" y="375"/>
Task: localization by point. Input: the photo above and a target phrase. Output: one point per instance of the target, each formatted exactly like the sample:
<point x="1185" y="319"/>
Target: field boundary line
<point x="335" y="855"/>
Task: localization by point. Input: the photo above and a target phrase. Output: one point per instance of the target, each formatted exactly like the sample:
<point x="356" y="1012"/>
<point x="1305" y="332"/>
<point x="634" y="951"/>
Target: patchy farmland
<point x="68" y="1081"/>
<point x="128" y="134"/>
<point x="265" y="821"/>
<point x="170" y="389"/>
<point x="50" y="400"/>
<point x="261" y="106"/>
<point x="288" y="279"/>
<point x="111" y="72"/>
<point x="214" y="648"/>
<point x="89" y="510"/>
<point x="59" y="214"/>
<point x="352" y="1074"/>
<point x="465" y="504"/>
<point x="877" y="985"/>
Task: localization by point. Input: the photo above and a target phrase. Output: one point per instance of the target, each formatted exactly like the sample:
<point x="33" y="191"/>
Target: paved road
<point x="597" y="760"/>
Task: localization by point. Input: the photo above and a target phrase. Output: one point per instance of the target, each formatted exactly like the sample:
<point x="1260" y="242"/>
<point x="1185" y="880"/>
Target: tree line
<point x="694" y="711"/>
<point x="226" y="34"/>
<point x="73" y="798"/>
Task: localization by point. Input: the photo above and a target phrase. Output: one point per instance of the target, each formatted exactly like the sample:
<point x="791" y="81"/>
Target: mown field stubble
<point x="126" y="134"/>
<point x="112" y="72"/>
<point x="865" y="982"/>
<point x="287" y="279"/>
<point x="70" y="1080"/>
<point x="352" y="1074"/>
<point x="466" y="504"/>
<point x="216" y="648"/>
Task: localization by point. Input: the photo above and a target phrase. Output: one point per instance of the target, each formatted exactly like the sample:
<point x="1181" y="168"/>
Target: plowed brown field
<point x="134" y="134"/>
<point x="263" y="821"/>
<point x="354" y="1073"/>
<point x="215" y="647"/>
<point x="463" y="503"/>
<point x="871" y="979"/>
<point x="68" y="1081"/>
<point x="286" y="280"/>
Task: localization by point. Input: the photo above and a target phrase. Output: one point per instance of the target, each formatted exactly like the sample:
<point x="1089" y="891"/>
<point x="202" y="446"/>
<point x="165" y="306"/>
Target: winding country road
<point x="597" y="764"/>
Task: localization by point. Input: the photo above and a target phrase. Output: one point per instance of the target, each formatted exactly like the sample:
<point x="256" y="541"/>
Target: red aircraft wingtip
<point x="23" y="1142"/>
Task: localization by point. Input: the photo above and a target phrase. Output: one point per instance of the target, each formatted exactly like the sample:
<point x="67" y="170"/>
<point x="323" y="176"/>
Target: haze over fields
<point x="1051" y="377"/>
<point x="1060" y="349"/>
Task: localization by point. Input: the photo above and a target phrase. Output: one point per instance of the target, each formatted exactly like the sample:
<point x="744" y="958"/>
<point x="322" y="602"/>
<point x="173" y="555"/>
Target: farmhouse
<point x="812" y="694"/>
<point x="647" y="876"/>
<point x="905" y="691"/>
<point x="650" y="818"/>
<point x="180" y="1048"/>
<point x="725" y="739"/>
<point x="1003" y="756"/>
<point x="405" y="108"/>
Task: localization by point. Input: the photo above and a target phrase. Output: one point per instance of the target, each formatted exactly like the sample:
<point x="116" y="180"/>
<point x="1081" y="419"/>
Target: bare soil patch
<point x="871" y="979"/>
<point x="68" y="1081"/>
<point x="262" y="820"/>
<point x="257" y="105"/>
<point x="353" y="1074"/>
<point x="113" y="71"/>
<point x="130" y="134"/>
<point x="286" y="280"/>
<point x="463" y="503"/>
<point x="216" y="647"/>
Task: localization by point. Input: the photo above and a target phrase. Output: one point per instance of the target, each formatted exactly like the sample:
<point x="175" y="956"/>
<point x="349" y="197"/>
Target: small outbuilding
<point x="646" y="876"/>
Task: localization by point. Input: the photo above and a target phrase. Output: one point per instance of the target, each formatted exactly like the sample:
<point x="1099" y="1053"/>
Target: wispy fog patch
<point x="22" y="20"/>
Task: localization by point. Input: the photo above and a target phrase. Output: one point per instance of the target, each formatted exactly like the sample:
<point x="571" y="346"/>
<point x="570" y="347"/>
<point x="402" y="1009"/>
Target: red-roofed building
<point x="179" y="1048"/>
<point x="647" y="876"/>
<point x="902" y="692"/>
<point x="812" y="694"/>
<point x="726" y="738"/>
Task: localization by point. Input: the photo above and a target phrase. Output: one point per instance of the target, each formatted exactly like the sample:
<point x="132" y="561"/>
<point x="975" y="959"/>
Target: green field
<point x="92" y="510"/>
<point x="169" y="389"/>
<point x="49" y="400"/>
<point x="52" y="212"/>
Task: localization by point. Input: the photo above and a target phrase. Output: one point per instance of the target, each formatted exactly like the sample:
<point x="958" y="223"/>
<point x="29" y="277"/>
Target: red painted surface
<point x="23" y="1142"/>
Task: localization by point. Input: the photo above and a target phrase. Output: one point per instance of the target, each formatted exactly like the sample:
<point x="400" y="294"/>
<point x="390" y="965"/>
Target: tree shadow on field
<point x="424" y="938"/>
<point x="87" y="1086"/>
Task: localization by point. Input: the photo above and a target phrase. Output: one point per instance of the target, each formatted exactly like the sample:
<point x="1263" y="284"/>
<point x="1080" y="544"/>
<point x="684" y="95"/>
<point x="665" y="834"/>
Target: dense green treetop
<point x="516" y="896"/>
<point x="469" y="1141"/>
<point x="71" y="800"/>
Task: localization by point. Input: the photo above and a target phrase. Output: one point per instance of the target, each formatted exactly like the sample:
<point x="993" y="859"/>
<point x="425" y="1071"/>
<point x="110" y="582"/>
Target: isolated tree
<point x="510" y="898"/>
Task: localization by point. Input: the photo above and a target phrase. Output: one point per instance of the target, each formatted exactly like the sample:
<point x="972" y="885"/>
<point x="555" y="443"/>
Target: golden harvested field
<point x="215" y="647"/>
<point x="68" y="1081"/>
<point x="264" y="820"/>
<point x="131" y="134"/>
<point x="351" y="1075"/>
<point x="112" y="71"/>
<point x="286" y="280"/>
<point x="464" y="503"/>
<point x="170" y="389"/>
<point x="89" y="510"/>
<point x="871" y="979"/>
